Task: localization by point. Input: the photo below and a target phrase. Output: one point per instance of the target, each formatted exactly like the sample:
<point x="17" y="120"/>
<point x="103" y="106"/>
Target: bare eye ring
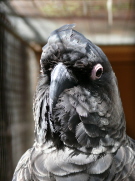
<point x="96" y="72"/>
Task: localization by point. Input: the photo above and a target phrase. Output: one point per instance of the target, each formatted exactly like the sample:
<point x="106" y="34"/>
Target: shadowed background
<point x="24" y="29"/>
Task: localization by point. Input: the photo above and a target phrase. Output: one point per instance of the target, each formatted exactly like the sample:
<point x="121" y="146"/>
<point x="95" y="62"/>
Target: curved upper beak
<point x="61" y="79"/>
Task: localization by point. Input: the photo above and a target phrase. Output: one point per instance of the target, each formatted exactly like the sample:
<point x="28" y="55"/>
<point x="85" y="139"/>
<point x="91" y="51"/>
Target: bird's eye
<point x="96" y="72"/>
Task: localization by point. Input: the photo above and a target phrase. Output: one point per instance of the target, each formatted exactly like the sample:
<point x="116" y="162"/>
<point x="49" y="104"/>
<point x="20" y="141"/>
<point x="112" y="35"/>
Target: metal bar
<point x="9" y="29"/>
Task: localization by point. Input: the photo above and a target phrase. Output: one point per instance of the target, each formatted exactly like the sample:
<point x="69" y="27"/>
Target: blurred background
<point x="24" y="28"/>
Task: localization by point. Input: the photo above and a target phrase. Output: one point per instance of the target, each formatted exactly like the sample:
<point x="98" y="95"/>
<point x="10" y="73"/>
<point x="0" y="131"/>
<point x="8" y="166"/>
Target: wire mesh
<point x="16" y="121"/>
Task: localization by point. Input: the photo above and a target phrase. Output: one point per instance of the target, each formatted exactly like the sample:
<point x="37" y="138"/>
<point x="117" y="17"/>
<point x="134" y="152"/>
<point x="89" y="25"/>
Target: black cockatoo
<point x="80" y="131"/>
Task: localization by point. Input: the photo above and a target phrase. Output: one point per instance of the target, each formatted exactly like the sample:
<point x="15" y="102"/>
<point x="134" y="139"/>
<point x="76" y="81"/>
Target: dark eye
<point x="96" y="72"/>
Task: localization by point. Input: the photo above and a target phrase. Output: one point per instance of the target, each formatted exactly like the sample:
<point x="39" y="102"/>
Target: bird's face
<point x="84" y="106"/>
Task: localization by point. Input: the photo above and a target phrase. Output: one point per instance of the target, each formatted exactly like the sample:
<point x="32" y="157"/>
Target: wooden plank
<point x="119" y="53"/>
